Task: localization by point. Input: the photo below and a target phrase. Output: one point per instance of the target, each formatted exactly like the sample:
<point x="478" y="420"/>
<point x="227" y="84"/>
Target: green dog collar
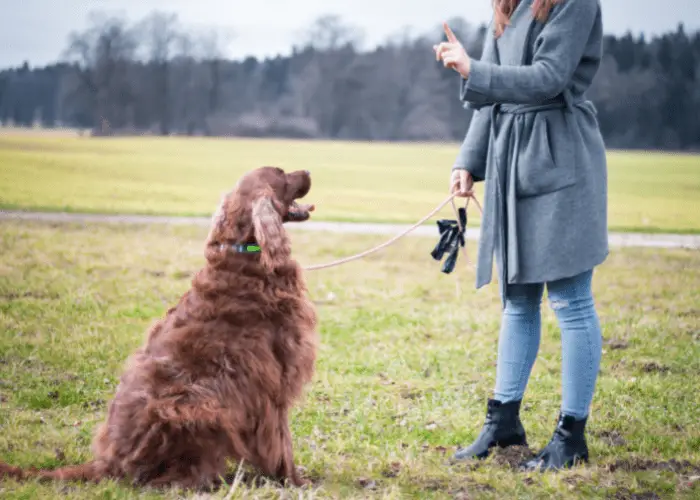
<point x="247" y="248"/>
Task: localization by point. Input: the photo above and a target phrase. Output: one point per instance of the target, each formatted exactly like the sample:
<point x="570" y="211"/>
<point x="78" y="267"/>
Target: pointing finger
<point x="450" y="35"/>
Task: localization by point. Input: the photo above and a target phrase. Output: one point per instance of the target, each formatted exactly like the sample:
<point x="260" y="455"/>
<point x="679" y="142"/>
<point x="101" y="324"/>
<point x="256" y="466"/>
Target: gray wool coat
<point x="534" y="140"/>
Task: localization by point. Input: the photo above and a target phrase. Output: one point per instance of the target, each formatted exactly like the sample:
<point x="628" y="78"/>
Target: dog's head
<point x="255" y="211"/>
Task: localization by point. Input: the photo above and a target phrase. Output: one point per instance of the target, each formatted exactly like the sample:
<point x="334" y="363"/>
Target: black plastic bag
<point x="452" y="238"/>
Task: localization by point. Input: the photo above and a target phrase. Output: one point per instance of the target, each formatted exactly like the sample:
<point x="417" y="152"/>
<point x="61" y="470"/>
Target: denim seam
<point x="591" y="373"/>
<point x="522" y="386"/>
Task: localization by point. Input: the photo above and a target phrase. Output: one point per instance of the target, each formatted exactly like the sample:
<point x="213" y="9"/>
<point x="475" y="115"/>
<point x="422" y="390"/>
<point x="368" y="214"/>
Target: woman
<point x="534" y="140"/>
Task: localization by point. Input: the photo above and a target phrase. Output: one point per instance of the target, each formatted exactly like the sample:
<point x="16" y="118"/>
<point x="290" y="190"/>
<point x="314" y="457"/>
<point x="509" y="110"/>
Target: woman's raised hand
<point x="452" y="53"/>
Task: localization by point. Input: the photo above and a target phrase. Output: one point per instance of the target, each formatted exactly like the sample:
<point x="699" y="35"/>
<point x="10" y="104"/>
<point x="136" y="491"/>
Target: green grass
<point x="404" y="368"/>
<point x="378" y="182"/>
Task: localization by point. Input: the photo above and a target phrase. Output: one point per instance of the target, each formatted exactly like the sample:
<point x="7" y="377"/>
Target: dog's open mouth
<point x="299" y="213"/>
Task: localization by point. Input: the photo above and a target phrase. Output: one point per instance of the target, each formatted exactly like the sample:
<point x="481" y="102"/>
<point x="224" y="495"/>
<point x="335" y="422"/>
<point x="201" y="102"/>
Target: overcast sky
<point x="37" y="30"/>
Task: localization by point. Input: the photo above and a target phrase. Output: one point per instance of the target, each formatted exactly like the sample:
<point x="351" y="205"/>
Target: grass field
<point x="649" y="192"/>
<point x="405" y="363"/>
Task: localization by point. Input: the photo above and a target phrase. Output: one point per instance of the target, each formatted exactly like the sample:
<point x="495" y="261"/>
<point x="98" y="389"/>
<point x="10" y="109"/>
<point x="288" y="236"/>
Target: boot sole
<point x="578" y="460"/>
<point x="517" y="441"/>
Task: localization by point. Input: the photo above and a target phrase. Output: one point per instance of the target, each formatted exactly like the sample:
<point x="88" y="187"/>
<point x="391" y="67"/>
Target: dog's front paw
<point x="298" y="480"/>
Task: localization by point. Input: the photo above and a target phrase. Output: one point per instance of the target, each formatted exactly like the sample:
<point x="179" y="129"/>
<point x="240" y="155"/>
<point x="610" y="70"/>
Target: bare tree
<point x="318" y="89"/>
<point x="161" y="33"/>
<point x="102" y="54"/>
<point x="330" y="32"/>
<point x="212" y="46"/>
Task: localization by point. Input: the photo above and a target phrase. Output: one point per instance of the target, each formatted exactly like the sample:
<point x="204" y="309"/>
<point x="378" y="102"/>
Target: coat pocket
<point x="547" y="158"/>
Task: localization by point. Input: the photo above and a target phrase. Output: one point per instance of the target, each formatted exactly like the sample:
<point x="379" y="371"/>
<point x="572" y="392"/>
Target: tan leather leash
<point x="449" y="199"/>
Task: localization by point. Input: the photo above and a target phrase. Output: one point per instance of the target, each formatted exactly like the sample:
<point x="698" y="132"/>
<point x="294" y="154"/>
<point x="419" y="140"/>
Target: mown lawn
<point x="377" y="182"/>
<point x="405" y="365"/>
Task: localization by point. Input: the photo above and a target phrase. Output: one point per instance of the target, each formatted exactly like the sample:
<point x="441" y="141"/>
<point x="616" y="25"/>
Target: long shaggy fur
<point x="219" y="373"/>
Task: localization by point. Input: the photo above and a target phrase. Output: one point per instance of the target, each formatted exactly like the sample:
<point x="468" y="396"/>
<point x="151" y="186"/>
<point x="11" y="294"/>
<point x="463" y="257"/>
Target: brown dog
<point x="219" y="373"/>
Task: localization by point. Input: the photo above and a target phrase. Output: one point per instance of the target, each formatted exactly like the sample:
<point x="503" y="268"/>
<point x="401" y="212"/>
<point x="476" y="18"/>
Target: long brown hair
<point x="503" y="9"/>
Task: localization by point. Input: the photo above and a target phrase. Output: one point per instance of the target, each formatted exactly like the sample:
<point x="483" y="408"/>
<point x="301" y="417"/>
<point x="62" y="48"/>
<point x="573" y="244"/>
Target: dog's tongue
<point x="306" y="208"/>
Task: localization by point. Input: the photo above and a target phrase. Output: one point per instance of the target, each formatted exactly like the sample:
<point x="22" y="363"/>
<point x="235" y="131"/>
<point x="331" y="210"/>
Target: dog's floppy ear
<point x="270" y="234"/>
<point x="218" y="221"/>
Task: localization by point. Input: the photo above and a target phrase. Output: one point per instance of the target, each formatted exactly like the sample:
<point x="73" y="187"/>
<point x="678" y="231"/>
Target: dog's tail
<point x="85" y="472"/>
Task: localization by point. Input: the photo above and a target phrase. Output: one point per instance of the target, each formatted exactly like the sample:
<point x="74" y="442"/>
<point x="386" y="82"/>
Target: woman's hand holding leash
<point x="452" y="53"/>
<point x="461" y="184"/>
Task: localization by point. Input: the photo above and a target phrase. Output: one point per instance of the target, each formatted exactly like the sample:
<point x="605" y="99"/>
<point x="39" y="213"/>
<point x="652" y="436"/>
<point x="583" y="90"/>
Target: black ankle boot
<point x="502" y="428"/>
<point x="566" y="448"/>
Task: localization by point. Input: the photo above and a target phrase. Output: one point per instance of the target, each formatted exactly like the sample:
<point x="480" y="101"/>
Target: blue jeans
<point x="581" y="341"/>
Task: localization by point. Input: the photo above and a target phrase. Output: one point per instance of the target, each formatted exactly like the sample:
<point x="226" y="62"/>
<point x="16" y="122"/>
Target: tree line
<point x="155" y="76"/>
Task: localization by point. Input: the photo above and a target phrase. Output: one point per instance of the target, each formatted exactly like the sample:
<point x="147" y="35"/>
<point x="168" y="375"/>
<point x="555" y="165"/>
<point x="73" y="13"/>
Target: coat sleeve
<point x="472" y="154"/>
<point x="558" y="51"/>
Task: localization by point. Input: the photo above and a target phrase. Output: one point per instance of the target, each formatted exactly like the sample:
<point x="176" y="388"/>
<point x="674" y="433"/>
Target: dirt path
<point x="616" y="239"/>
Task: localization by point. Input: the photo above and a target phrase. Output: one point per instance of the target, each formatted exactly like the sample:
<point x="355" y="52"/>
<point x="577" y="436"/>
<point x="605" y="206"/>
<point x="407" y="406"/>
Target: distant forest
<point x="156" y="77"/>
